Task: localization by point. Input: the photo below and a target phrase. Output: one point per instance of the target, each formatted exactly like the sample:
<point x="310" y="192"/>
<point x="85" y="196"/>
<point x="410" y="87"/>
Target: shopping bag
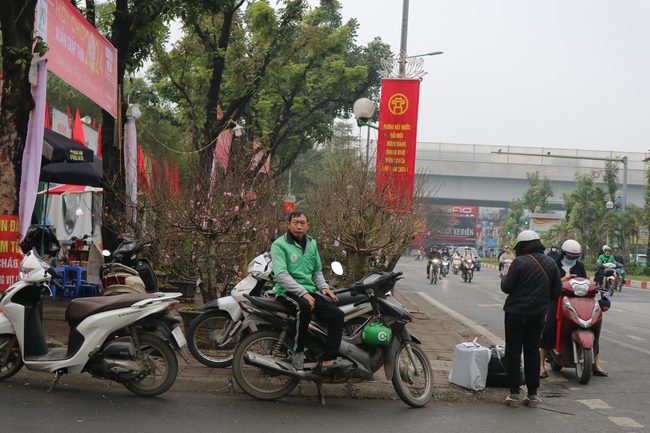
<point x="470" y="366"/>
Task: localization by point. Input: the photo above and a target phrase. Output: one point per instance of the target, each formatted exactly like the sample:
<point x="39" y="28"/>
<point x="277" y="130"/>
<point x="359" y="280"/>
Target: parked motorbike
<point x="468" y="270"/>
<point x="444" y="267"/>
<point x="611" y="279"/>
<point x="434" y="270"/>
<point x="129" y="339"/>
<point x="213" y="335"/>
<point x="506" y="267"/>
<point x="455" y="264"/>
<point x="128" y="272"/>
<point x="262" y="361"/>
<point x="579" y="319"/>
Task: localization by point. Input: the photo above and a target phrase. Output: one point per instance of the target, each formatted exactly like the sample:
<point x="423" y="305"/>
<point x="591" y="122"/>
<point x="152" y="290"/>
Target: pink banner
<point x="10" y="251"/>
<point x="33" y="151"/>
<point x="78" y="53"/>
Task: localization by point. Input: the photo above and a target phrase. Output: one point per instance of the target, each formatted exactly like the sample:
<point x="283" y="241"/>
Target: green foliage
<point x="611" y="177"/>
<point x="513" y="221"/>
<point x="536" y="197"/>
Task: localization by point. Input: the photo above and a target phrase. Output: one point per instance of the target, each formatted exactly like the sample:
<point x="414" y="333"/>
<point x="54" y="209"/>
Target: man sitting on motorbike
<point x="605" y="257"/>
<point x="298" y="277"/>
<point x="465" y="255"/>
<point x="433" y="254"/>
<point x="616" y="252"/>
<point x="507" y="255"/>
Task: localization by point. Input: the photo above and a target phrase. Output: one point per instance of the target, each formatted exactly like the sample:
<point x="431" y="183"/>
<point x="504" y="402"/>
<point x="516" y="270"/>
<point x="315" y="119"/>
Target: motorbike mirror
<point x="106" y="253"/>
<point x="337" y="268"/>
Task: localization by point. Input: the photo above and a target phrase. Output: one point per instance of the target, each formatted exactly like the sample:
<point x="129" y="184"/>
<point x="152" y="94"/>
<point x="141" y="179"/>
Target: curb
<point x="635" y="284"/>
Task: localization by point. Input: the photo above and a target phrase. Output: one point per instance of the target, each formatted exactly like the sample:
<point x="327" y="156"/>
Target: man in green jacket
<point x="300" y="285"/>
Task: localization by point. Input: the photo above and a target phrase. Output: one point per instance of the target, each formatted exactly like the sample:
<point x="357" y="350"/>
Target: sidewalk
<point x="438" y="331"/>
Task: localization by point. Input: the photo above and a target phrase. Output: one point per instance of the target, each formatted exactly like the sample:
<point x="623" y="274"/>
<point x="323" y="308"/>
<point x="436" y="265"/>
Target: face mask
<point x="553" y="249"/>
<point x="569" y="262"/>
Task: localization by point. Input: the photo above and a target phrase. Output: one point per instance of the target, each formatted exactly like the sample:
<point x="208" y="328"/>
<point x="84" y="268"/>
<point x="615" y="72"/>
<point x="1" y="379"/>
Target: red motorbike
<point x="579" y="319"/>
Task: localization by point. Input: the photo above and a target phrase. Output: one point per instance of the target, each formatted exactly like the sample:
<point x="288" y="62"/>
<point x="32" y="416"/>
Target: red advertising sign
<point x="10" y="251"/>
<point x="398" y="124"/>
<point x="78" y="53"/>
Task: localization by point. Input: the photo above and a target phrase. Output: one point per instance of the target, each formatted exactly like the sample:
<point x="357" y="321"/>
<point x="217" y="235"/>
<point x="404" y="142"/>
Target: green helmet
<point x="606" y="248"/>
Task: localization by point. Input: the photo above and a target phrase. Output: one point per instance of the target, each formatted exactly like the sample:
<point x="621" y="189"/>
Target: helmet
<point x="615" y="247"/>
<point x="434" y="247"/>
<point x="571" y="249"/>
<point x="604" y="303"/>
<point x="467" y="248"/>
<point x="607" y="248"/>
<point x="527" y="235"/>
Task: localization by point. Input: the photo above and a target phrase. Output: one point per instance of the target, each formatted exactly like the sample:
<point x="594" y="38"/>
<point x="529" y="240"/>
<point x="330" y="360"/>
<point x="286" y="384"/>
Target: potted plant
<point x="188" y="314"/>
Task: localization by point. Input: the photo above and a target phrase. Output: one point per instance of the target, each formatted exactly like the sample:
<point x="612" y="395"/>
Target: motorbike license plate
<point x="179" y="337"/>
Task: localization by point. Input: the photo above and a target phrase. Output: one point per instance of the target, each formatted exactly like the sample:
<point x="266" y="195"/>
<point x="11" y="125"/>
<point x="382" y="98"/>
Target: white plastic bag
<point x="470" y="365"/>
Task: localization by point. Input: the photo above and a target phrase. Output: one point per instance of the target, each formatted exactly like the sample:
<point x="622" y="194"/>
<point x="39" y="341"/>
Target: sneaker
<point x="298" y="360"/>
<point x="531" y="401"/>
<point x="513" y="400"/>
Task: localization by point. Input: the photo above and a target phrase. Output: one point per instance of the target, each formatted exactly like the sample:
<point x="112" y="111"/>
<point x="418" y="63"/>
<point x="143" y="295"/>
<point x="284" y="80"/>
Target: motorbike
<point x="621" y="276"/>
<point x="214" y="334"/>
<point x="455" y="264"/>
<point x="506" y="267"/>
<point x="129" y="339"/>
<point x="128" y="272"/>
<point x="444" y="267"/>
<point x="262" y="362"/>
<point x="579" y="319"/>
<point x="468" y="270"/>
<point x="434" y="270"/>
<point x="420" y="255"/>
<point x="611" y="279"/>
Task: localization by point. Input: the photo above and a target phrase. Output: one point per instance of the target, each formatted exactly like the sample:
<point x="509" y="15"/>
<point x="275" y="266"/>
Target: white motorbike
<point x="129" y="339"/>
<point x="455" y="264"/>
<point x="213" y="335"/>
<point x="506" y="267"/>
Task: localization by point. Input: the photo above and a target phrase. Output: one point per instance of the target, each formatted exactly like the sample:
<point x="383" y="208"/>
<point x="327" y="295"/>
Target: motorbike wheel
<point x="376" y="352"/>
<point x="9" y="348"/>
<point x="414" y="389"/>
<point x="469" y="276"/>
<point x="609" y="286"/>
<point x="202" y="337"/>
<point x="584" y="364"/>
<point x="161" y="367"/>
<point x="435" y="277"/>
<point x="258" y="382"/>
<point x="554" y="365"/>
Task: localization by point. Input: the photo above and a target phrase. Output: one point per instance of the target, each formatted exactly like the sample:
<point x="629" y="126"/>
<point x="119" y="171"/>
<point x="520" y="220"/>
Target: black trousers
<point x="326" y="312"/>
<point x="523" y="333"/>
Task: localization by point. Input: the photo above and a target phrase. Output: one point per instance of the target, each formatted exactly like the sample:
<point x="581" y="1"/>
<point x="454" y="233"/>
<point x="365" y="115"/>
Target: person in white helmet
<point x="533" y="281"/>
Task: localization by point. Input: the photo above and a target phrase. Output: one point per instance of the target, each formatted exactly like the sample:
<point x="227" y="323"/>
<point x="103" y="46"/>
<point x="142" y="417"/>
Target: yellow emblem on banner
<point x="398" y="104"/>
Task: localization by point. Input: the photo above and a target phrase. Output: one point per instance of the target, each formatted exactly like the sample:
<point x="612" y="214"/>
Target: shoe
<point x="513" y="400"/>
<point x="339" y="364"/>
<point x="298" y="360"/>
<point x="543" y="375"/>
<point x="600" y="373"/>
<point x="531" y="401"/>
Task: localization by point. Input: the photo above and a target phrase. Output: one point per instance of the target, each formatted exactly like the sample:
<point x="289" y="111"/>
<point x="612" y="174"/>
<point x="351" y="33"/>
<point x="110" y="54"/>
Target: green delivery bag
<point x="376" y="334"/>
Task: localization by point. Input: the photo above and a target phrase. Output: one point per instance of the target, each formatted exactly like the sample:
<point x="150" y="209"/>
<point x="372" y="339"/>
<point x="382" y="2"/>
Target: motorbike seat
<point x="347" y="298"/>
<point x="80" y="308"/>
<point x="268" y="304"/>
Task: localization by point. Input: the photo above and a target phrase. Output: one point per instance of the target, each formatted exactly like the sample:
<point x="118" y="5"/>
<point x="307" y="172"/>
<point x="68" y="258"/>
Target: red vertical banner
<point x="10" y="251"/>
<point x="398" y="125"/>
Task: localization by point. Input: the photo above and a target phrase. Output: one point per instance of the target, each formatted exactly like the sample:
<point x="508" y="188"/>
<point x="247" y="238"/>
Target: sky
<point x="571" y="74"/>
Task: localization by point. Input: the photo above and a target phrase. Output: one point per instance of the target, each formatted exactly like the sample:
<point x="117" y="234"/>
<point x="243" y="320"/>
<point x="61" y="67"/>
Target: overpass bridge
<point x="475" y="175"/>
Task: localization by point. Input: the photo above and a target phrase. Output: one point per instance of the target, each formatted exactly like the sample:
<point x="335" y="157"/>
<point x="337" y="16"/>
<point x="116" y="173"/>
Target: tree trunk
<point x="17" y="23"/>
<point x="357" y="265"/>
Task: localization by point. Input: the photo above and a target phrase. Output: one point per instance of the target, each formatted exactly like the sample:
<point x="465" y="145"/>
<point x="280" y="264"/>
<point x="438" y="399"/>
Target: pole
<point x="624" y="159"/>
<point x="402" y="45"/>
<point x="368" y="146"/>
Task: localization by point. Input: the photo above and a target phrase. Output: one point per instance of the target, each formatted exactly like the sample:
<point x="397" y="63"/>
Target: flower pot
<point x="188" y="316"/>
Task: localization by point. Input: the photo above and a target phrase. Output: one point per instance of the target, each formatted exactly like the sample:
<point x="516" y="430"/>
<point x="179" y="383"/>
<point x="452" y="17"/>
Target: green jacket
<point x="295" y="270"/>
<point x="606" y="259"/>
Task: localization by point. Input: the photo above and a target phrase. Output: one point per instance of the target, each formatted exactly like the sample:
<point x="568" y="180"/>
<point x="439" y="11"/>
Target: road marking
<point x="465" y="320"/>
<point x="623" y="421"/>
<point x="595" y="404"/>
<point x="620" y="343"/>
<point x="490" y="305"/>
<point x="634" y="337"/>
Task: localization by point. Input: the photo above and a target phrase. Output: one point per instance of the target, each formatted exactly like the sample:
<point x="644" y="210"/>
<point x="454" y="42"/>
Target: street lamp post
<point x="364" y="109"/>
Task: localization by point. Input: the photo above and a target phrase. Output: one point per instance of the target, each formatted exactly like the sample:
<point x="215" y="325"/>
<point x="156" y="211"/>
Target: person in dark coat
<point x="533" y="281"/>
<point x="554" y="253"/>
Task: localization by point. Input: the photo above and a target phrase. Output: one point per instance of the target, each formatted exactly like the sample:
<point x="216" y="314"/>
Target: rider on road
<point x="433" y="254"/>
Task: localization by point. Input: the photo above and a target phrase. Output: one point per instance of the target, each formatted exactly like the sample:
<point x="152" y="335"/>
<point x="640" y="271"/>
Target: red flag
<point x="143" y="182"/>
<point x="69" y="118"/>
<point x="154" y="175"/>
<point x="48" y="122"/>
<point x="176" y="189"/>
<point x="165" y="172"/>
<point x="222" y="148"/>
<point x="258" y="157"/>
<point x="78" y="130"/>
<point x="99" y="142"/>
